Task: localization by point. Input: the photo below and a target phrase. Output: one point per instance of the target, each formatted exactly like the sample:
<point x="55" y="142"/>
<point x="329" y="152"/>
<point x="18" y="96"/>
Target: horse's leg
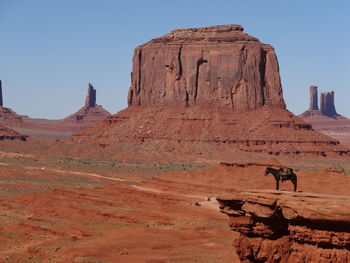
<point x="277" y="182"/>
<point x="295" y="184"/>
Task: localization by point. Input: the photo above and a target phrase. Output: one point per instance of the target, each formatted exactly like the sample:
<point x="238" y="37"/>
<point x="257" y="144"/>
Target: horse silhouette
<point x="283" y="174"/>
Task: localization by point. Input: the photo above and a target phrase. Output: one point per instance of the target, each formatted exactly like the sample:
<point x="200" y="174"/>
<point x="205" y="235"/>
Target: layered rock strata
<point x="217" y="65"/>
<point x="9" y="134"/>
<point x="289" y="227"/>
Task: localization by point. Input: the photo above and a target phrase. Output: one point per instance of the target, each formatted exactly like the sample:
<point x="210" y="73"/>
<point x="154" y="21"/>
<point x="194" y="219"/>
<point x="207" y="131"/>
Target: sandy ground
<point x="59" y="215"/>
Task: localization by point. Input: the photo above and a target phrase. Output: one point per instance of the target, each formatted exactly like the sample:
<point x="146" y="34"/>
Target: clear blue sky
<point x="50" y="50"/>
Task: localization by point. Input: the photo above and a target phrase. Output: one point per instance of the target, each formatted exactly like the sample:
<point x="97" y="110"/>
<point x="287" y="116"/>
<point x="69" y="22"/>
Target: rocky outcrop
<point x="313" y="109"/>
<point x="90" y="100"/>
<point x="88" y="115"/>
<point x="289" y="227"/>
<point x="217" y="65"/>
<point x="9" y="134"/>
<point x="327" y="120"/>
<point x="327" y="104"/>
<point x="1" y="101"/>
<point x="7" y="116"/>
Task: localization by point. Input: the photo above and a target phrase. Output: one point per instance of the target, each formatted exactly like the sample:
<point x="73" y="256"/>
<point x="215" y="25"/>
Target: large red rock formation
<point x="217" y="65"/>
<point x="289" y="227"/>
<point x="199" y="88"/>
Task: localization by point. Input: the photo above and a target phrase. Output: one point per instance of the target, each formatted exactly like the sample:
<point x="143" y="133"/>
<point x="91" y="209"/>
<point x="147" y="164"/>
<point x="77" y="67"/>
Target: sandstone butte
<point x="289" y="227"/>
<point x="199" y="88"/>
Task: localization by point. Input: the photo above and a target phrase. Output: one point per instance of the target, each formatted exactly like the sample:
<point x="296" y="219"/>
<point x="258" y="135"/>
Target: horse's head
<point x="267" y="171"/>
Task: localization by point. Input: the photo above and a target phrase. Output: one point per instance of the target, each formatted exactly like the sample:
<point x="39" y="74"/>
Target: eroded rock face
<point x="289" y="227"/>
<point x="217" y="65"/>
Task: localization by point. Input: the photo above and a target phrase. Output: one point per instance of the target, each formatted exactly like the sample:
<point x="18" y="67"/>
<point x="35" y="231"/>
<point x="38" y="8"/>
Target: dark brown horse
<point x="283" y="174"/>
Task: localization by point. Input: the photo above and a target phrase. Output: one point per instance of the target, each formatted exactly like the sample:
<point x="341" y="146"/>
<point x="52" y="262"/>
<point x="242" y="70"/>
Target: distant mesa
<point x="326" y="101"/>
<point x="197" y="89"/>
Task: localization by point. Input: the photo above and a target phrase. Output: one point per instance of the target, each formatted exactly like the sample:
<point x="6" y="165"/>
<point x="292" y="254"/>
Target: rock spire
<point x="327" y="107"/>
<point x="218" y="65"/>
<point x="90" y="100"/>
<point x="1" y="102"/>
<point x="327" y="104"/>
<point x="313" y="98"/>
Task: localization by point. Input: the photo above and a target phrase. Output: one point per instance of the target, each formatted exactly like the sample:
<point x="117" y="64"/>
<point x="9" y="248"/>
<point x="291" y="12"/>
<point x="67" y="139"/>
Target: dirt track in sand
<point x="154" y="222"/>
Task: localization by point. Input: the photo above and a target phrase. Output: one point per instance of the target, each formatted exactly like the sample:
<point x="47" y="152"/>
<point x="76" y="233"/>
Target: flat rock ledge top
<point x="222" y="33"/>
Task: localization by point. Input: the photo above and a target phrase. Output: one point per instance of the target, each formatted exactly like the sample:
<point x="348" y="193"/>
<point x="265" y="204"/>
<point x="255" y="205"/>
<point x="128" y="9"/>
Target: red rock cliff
<point x="218" y="65"/>
<point x="289" y="227"/>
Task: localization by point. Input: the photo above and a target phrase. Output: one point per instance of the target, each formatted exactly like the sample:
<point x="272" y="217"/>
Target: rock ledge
<point x="289" y="227"/>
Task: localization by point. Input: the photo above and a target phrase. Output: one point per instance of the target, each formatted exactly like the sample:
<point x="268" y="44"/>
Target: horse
<point x="283" y="174"/>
